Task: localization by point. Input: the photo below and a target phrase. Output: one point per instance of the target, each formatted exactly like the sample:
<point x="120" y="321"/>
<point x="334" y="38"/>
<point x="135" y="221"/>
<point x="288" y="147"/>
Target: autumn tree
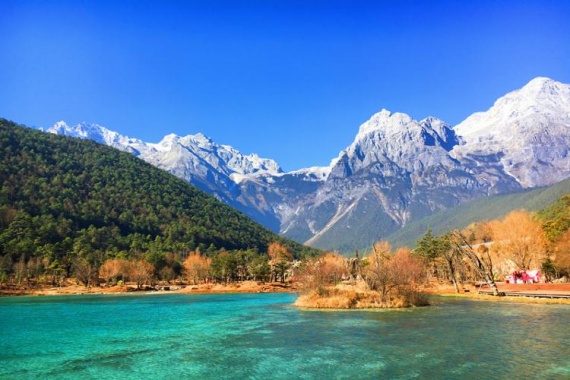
<point x="407" y="272"/>
<point x="141" y="272"/>
<point x="113" y="269"/>
<point x="400" y="273"/>
<point x="377" y="271"/>
<point x="478" y="257"/>
<point x="334" y="267"/>
<point x="279" y="260"/>
<point x="521" y="239"/>
<point x="326" y="270"/>
<point x="197" y="267"/>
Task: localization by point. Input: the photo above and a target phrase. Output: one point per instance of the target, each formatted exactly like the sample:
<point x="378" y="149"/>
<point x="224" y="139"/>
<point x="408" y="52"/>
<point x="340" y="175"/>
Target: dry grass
<point x="356" y="296"/>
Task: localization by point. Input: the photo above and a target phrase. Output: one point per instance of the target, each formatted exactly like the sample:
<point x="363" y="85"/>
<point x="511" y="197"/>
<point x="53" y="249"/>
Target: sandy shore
<point x="467" y="291"/>
<point x="72" y="289"/>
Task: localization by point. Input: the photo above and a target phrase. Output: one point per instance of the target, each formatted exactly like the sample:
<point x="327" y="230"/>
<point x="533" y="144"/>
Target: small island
<point x="381" y="280"/>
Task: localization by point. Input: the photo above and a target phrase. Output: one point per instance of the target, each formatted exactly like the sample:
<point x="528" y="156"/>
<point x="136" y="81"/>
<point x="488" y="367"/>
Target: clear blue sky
<point x="289" y="80"/>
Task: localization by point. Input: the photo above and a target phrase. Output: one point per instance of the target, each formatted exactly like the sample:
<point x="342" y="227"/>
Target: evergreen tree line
<point x="67" y="203"/>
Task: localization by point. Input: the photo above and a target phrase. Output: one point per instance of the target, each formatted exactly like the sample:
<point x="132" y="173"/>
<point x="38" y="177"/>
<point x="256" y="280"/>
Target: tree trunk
<point x="485" y="271"/>
<point x="491" y="282"/>
<point x="452" y="272"/>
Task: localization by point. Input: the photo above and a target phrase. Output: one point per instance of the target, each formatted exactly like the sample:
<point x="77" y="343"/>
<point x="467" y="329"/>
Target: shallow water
<point x="261" y="336"/>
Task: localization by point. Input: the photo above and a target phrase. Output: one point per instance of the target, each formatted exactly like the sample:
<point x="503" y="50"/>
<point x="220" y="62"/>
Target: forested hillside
<point x="556" y="218"/>
<point x="63" y="198"/>
<point x="486" y="208"/>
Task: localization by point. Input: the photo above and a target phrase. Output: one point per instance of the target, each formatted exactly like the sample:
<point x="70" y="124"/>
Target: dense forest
<point x="67" y="203"/>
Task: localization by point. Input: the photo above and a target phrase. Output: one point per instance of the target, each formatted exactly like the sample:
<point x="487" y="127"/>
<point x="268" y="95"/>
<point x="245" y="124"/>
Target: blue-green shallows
<point x="262" y="336"/>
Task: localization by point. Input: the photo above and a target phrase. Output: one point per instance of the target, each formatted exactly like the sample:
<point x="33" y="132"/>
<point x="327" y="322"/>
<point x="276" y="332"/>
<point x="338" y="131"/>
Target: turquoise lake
<point x="262" y="336"/>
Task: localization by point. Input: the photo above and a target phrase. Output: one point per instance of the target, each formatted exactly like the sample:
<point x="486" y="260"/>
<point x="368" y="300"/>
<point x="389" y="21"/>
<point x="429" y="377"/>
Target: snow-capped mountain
<point x="395" y="171"/>
<point x="212" y="167"/>
<point x="526" y="132"/>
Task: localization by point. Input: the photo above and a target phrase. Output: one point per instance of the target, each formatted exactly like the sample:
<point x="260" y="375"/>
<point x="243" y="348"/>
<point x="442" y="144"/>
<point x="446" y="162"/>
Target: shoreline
<point x="526" y="293"/>
<point x="252" y="287"/>
<point x="234" y="288"/>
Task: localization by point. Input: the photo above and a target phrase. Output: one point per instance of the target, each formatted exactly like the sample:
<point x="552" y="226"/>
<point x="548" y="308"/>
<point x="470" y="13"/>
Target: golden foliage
<point x="197" y="267"/>
<point x="325" y="270"/>
<point x="389" y="281"/>
<point x="356" y="296"/>
<point x="521" y="239"/>
<point x="278" y="252"/>
<point x="112" y="269"/>
<point x="141" y="272"/>
<point x="389" y="273"/>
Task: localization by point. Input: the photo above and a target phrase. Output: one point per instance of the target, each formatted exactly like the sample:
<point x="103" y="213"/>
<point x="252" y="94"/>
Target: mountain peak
<point x="383" y="120"/>
<point x="541" y="98"/>
<point x="543" y="88"/>
<point x="397" y="169"/>
<point x="540" y="82"/>
<point x="201" y="139"/>
<point x="60" y="124"/>
<point x="89" y="131"/>
<point x="527" y="130"/>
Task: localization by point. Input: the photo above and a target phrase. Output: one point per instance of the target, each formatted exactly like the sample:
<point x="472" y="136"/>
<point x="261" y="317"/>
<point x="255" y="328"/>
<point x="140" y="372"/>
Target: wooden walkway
<point x="530" y="290"/>
<point x="530" y="293"/>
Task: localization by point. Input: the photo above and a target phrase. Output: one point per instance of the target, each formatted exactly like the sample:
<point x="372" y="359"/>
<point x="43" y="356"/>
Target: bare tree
<point x="84" y="271"/>
<point x="141" y="272"/>
<point x="377" y="273"/>
<point x="480" y="259"/>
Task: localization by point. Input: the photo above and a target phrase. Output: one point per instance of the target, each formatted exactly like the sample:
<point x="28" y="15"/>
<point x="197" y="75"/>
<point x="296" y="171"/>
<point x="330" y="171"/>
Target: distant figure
<point x="525" y="278"/>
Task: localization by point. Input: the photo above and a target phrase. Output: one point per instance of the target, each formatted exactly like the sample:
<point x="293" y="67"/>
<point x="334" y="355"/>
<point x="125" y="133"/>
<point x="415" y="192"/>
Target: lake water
<point x="262" y="336"/>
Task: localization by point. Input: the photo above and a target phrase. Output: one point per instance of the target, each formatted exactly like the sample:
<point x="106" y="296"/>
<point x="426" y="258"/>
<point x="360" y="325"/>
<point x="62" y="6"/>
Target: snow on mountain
<point x="314" y="173"/>
<point x="526" y="131"/>
<point x="214" y="168"/>
<point x="172" y="148"/>
<point x="396" y="170"/>
<point x="94" y="132"/>
<point x="395" y="142"/>
<point x="542" y="100"/>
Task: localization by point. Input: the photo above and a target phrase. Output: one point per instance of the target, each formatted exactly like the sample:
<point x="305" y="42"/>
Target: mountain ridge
<point x="62" y="196"/>
<point x="395" y="171"/>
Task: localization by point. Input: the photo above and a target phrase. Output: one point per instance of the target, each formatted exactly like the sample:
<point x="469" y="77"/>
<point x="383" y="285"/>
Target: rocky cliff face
<point x="396" y="170"/>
